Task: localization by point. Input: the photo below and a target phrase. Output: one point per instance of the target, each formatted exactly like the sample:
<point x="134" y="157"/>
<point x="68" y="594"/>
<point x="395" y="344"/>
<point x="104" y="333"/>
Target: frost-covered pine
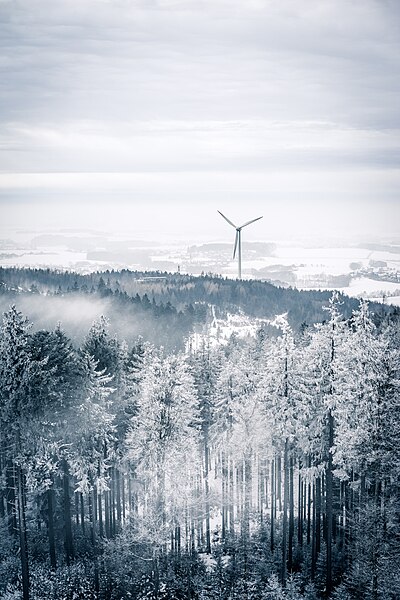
<point x="163" y="444"/>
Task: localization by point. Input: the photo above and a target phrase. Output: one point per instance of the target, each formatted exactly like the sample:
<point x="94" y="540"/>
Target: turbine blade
<point x="248" y="222"/>
<point x="226" y="219"/>
<point x="236" y="244"/>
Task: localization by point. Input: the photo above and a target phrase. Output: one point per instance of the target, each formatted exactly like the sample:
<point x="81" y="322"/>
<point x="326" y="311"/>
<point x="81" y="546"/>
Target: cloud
<point x="279" y="97"/>
<point x="143" y="146"/>
<point x="309" y="60"/>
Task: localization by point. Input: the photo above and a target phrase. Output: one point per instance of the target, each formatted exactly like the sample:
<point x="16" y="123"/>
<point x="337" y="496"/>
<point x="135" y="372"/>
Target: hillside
<point x="163" y="308"/>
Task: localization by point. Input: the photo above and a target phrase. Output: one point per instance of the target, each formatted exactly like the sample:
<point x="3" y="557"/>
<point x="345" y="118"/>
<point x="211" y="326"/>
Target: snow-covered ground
<point x="372" y="288"/>
<point x="219" y="331"/>
<point x="57" y="258"/>
<point x="303" y="265"/>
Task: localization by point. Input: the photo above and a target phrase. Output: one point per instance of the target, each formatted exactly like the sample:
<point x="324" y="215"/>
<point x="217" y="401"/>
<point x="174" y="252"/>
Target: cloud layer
<point x="243" y="98"/>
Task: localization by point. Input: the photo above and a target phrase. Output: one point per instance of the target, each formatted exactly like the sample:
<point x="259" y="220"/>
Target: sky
<point x="147" y="116"/>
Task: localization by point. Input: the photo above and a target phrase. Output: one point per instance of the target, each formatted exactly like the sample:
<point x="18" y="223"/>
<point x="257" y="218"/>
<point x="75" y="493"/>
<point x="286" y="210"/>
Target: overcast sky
<point x="151" y="115"/>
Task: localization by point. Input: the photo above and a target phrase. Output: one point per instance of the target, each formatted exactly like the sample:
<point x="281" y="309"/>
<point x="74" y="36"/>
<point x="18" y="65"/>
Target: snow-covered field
<point x="346" y="267"/>
<point x="371" y="288"/>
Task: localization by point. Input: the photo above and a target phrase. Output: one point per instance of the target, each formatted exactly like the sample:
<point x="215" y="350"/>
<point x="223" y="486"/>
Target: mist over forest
<point x="161" y="307"/>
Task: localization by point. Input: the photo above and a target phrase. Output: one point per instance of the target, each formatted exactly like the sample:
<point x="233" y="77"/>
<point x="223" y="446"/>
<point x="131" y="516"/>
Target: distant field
<point x="347" y="267"/>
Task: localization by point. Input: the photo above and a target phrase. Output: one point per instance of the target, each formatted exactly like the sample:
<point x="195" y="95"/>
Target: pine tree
<point x="17" y="379"/>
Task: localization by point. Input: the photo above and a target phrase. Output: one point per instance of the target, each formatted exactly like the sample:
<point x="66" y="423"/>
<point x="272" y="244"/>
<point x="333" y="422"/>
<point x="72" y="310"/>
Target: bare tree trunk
<point x="239" y="492"/>
<point x="314" y="534"/>
<point x="278" y="463"/>
<point x="178" y="540"/>
<point x="11" y="500"/>
<point x="2" y="511"/>
<point x="123" y="497"/>
<point x="231" y="497"/>
<point x="272" y="504"/>
<point x="309" y="492"/>
<point x="82" y="512"/>
<point x="50" y="518"/>
<point x="248" y="494"/>
<point x="318" y="515"/>
<point x="91" y="519"/>
<point x="207" y="494"/>
<point x="100" y="513"/>
<point x="107" y="513"/>
<point x="291" y="516"/>
<point x="118" y="495"/>
<point x="112" y="503"/>
<point x="95" y="505"/>
<point x="2" y="494"/>
<point x="68" y="541"/>
<point x="329" y="507"/>
<point x="300" y="505"/>
<point x="76" y="497"/>
<point x="223" y="496"/>
<point x="285" y="512"/>
<point x="23" y="546"/>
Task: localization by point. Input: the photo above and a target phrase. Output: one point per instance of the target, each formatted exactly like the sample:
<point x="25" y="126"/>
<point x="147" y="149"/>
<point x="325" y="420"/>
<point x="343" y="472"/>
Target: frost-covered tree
<point x="19" y="373"/>
<point x="205" y="367"/>
<point x="164" y="445"/>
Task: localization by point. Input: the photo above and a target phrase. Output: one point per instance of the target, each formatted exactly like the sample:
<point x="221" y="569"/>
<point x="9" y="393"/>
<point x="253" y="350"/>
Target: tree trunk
<point x="278" y="481"/>
<point x="231" y="498"/>
<point x="123" y="499"/>
<point x="51" y="533"/>
<point x="2" y="511"/>
<point x="68" y="541"/>
<point x="76" y="496"/>
<point x="248" y="494"/>
<point x="95" y="505"/>
<point x="178" y="540"/>
<point x="314" y="534"/>
<point x="329" y="507"/>
<point x="130" y="503"/>
<point x="11" y="501"/>
<point x="118" y="495"/>
<point x="107" y="513"/>
<point x="239" y="492"/>
<point x="272" y="504"/>
<point x="318" y="515"/>
<point x="309" y="507"/>
<point x="291" y="516"/>
<point x="112" y="503"/>
<point x="300" y="508"/>
<point x="223" y="496"/>
<point x="207" y="495"/>
<point x="285" y="512"/>
<point x="91" y="519"/>
<point x="100" y="513"/>
<point x="23" y="546"/>
<point x="2" y="494"/>
<point x="82" y="512"/>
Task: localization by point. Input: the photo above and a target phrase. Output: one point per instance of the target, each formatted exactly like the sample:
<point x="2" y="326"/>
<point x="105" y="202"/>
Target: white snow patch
<point x="219" y="331"/>
<point x="371" y="288"/>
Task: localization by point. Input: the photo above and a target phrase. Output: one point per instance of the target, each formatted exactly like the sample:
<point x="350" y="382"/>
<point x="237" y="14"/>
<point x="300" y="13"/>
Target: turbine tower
<point x="238" y="240"/>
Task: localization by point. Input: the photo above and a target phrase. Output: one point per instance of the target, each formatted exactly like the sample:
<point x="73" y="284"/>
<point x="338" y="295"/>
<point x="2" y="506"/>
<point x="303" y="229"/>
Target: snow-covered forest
<point x="267" y="468"/>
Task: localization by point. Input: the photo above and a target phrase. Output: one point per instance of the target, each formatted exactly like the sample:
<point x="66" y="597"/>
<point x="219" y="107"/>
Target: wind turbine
<point x="238" y="240"/>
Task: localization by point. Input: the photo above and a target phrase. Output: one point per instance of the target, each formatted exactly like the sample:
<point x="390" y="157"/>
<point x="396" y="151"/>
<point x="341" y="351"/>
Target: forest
<point x="264" y="469"/>
<point x="163" y="308"/>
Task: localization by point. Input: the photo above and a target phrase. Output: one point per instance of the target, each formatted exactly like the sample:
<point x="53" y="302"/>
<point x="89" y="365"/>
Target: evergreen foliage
<point x="267" y="468"/>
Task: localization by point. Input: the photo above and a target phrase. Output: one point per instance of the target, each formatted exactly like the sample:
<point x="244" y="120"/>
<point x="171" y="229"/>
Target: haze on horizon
<point x="147" y="117"/>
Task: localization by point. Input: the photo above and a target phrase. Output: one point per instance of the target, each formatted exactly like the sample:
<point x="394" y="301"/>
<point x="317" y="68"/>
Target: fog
<point x="195" y="220"/>
<point x="77" y="314"/>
